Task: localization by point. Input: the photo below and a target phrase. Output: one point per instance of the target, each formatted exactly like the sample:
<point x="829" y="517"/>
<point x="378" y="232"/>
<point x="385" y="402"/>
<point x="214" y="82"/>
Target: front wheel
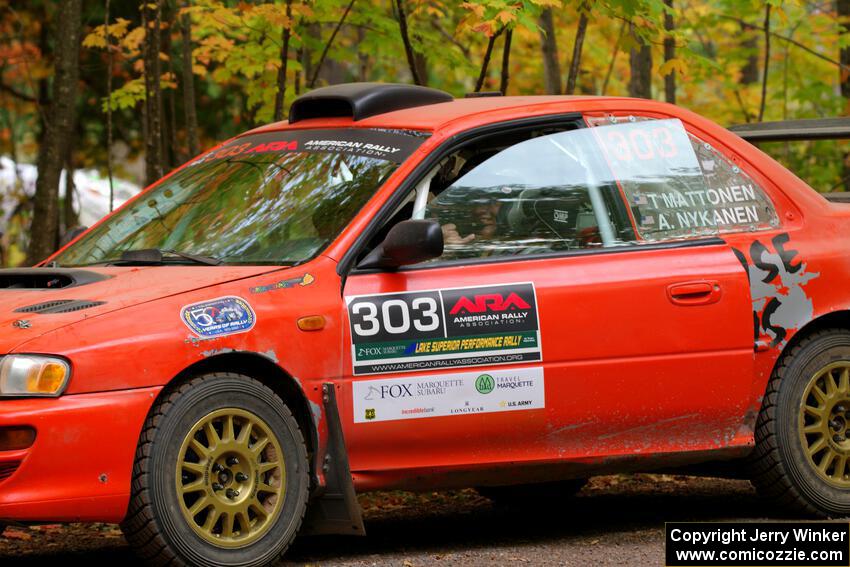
<point x="802" y="455"/>
<point x="220" y="476"/>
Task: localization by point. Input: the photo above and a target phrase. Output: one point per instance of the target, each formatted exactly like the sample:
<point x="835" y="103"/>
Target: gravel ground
<point x="614" y="520"/>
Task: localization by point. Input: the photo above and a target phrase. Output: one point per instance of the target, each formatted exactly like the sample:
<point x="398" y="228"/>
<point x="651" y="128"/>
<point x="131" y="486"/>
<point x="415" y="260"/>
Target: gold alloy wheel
<point x="824" y="423"/>
<point x="231" y="478"/>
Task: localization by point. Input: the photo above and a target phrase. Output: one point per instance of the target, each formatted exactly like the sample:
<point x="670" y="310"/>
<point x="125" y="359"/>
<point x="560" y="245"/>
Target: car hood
<point x="34" y="301"/>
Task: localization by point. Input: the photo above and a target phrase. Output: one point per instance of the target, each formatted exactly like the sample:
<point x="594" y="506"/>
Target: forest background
<point x="135" y="89"/>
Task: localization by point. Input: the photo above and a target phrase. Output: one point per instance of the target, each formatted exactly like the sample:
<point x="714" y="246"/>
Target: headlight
<point x="33" y="375"/>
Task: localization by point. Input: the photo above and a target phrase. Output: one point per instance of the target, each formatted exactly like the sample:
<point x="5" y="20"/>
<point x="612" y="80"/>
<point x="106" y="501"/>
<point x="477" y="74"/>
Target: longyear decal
<point x="777" y="279"/>
<point x="443" y="328"/>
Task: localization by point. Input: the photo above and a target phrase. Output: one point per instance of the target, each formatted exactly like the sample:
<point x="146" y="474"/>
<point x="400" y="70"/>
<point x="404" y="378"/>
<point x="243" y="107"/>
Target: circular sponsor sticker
<point x="485" y="384"/>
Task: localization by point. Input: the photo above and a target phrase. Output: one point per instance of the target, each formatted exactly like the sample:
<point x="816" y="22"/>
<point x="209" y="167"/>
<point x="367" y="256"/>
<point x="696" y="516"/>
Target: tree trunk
<point x="640" y="64"/>
<point x="324" y="54"/>
<point x="549" y="48"/>
<point x="109" y="110"/>
<point x="312" y="36"/>
<point x="766" y="61"/>
<point x="69" y="216"/>
<point x="421" y="62"/>
<point x="614" y="53"/>
<point x="167" y="112"/>
<point x="506" y="63"/>
<point x="669" y="53"/>
<point x="54" y="147"/>
<point x="575" y="64"/>
<point x="151" y="18"/>
<point x="284" y="59"/>
<point x="843" y="8"/>
<point x="43" y="95"/>
<point x="189" y="85"/>
<point x="362" y="57"/>
<point x="750" y="70"/>
<point x="408" y="46"/>
<point x="486" y="62"/>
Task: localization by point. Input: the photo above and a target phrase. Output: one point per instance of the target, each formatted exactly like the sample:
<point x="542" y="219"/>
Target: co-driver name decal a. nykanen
<point x="460" y="393"/>
<point x="444" y="328"/>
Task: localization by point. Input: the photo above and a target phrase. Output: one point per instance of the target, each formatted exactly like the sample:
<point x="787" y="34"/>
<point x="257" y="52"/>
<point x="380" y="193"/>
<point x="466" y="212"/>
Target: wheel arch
<point x="833" y="319"/>
<point x="260" y="367"/>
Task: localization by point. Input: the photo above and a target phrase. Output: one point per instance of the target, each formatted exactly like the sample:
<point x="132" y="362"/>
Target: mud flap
<point x="336" y="510"/>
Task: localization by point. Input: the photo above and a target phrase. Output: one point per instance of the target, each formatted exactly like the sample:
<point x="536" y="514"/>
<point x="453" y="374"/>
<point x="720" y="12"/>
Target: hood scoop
<point x="47" y="278"/>
<point x="59" y="306"/>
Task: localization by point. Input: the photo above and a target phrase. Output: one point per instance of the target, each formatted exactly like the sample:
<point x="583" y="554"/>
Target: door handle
<point x="701" y="292"/>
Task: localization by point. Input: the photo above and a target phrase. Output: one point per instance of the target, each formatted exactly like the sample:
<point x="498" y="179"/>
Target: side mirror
<point x="408" y="242"/>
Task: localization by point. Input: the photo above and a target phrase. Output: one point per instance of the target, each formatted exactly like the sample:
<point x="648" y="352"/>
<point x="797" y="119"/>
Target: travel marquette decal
<point x="432" y="329"/>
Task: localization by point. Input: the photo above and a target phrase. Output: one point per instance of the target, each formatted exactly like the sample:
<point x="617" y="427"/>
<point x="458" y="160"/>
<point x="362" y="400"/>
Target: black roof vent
<point x="362" y="100"/>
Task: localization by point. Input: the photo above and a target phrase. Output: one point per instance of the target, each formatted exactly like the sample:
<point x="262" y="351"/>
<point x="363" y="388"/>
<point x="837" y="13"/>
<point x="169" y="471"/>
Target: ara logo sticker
<point x="494" y="302"/>
<point x="218" y="317"/>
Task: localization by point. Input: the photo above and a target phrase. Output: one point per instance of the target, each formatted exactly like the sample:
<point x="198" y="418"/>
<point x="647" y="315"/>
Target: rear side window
<point x="678" y="186"/>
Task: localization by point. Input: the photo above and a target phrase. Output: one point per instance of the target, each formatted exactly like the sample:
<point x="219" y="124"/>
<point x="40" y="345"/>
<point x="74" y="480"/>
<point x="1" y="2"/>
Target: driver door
<point x="560" y="335"/>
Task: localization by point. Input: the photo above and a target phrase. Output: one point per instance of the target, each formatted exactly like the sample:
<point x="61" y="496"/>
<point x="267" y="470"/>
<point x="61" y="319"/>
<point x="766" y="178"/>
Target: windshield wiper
<point x="157" y="256"/>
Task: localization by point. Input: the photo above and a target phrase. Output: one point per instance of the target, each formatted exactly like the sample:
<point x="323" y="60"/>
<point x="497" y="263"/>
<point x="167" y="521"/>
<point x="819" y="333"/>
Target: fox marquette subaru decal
<point x="217" y="317"/>
<point x="448" y="394"/>
<point x="421" y="330"/>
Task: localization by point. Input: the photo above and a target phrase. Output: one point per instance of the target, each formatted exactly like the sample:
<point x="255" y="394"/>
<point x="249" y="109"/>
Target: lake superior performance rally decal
<point x="449" y="394"/>
<point x="444" y="328"/>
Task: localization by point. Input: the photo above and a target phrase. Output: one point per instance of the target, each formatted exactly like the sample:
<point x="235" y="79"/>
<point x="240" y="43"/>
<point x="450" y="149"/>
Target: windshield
<point x="270" y="198"/>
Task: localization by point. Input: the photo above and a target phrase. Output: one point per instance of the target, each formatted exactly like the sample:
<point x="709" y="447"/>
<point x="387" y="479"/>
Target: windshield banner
<point x="378" y="144"/>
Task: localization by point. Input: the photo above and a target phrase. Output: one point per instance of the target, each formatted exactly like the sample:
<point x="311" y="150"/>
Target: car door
<point x="549" y="329"/>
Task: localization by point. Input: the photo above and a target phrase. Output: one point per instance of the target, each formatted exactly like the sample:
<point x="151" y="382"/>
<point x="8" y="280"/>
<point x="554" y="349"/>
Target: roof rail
<point x="795" y="130"/>
<point x="362" y="100"/>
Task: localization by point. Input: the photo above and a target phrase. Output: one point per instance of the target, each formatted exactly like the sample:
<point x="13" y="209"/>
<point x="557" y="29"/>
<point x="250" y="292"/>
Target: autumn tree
<point x="59" y="124"/>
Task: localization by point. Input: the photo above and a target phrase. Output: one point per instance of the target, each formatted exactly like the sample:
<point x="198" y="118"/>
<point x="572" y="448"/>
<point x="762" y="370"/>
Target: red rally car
<point x="400" y="290"/>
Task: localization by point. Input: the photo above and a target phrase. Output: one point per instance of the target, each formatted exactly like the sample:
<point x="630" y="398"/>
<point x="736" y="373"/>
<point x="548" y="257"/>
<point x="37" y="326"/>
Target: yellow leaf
<point x="505" y="16"/>
<point x="547" y="3"/>
<point x="96" y="39"/>
<point x="476" y="9"/>
<point x="673" y="65"/>
<point x="133" y="40"/>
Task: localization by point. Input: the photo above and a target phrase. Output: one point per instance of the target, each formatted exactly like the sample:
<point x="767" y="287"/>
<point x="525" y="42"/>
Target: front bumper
<point x="80" y="466"/>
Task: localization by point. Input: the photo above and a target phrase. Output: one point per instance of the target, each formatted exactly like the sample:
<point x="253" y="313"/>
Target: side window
<point x="677" y="185"/>
<point x="546" y="194"/>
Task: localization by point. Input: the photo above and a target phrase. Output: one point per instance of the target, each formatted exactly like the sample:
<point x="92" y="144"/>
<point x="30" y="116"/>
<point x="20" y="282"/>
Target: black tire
<point x="155" y="525"/>
<point x="532" y="495"/>
<point x="780" y="467"/>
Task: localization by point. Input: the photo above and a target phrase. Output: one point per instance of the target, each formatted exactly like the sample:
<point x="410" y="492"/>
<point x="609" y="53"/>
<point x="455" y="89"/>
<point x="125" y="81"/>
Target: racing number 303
<point x="395" y="314"/>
